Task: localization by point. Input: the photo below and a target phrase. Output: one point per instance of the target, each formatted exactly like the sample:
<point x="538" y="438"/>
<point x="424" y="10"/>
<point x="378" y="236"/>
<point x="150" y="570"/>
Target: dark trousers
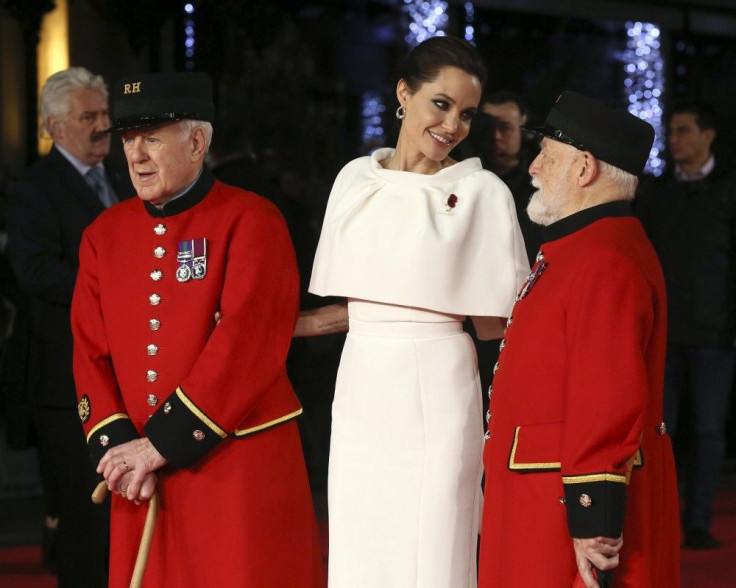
<point x="83" y="532"/>
<point x="705" y="375"/>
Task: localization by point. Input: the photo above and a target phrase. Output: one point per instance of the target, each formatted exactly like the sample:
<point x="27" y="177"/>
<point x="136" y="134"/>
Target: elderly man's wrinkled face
<point x="551" y="176"/>
<point x="162" y="161"/>
<point x="81" y="131"/>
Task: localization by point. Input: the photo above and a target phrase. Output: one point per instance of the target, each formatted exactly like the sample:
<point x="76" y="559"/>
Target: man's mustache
<point x="99" y="136"/>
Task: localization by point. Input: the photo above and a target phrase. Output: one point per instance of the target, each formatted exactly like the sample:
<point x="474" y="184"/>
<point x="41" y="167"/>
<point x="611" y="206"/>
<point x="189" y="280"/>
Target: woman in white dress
<point x="415" y="242"/>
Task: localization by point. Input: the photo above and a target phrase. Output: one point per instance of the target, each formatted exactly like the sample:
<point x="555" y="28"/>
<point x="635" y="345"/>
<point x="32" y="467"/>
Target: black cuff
<point x="595" y="509"/>
<point x="181" y="432"/>
<point x="115" y="432"/>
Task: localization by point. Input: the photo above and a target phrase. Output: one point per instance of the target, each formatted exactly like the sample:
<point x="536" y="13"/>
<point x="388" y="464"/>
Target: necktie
<point x="96" y="177"/>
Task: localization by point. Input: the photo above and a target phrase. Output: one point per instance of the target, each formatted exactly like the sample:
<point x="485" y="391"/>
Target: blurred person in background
<point x="689" y="214"/>
<point x="48" y="208"/>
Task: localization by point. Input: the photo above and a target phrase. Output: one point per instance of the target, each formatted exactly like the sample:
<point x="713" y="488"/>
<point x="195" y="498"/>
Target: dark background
<point x="290" y="75"/>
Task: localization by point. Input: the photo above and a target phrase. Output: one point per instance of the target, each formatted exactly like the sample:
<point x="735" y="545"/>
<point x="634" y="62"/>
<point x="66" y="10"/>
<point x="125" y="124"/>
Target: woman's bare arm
<point x="326" y="320"/>
<point x="489" y="327"/>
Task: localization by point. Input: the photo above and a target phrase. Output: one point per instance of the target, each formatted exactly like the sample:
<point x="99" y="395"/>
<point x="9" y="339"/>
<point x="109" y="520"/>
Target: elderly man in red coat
<point x="171" y="402"/>
<point x="580" y="477"/>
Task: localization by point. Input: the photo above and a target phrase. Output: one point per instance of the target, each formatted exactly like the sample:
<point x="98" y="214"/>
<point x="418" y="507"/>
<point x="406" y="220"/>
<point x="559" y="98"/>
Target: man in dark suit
<point x="48" y="209"/>
<point x="689" y="214"/>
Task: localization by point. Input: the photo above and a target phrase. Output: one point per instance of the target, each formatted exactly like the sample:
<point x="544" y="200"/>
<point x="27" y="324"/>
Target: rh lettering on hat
<point x="147" y="99"/>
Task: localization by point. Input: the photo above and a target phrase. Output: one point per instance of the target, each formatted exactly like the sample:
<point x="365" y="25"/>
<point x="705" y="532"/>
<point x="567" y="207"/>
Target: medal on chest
<point x="192" y="259"/>
<point x="533" y="277"/>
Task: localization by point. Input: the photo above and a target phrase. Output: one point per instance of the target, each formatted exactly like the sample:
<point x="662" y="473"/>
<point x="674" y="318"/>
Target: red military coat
<point x="576" y="403"/>
<point x="215" y="401"/>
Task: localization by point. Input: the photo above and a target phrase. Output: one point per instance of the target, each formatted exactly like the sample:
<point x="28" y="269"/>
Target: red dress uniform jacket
<point x="149" y="361"/>
<point x="576" y="403"/>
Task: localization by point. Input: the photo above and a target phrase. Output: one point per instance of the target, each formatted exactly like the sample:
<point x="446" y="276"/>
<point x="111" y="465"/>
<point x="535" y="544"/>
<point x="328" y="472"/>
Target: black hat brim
<point x="552" y="133"/>
<point x="140" y="123"/>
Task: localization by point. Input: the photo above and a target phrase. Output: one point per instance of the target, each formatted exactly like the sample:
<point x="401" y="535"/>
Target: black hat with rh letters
<point x="611" y="133"/>
<point x="146" y="100"/>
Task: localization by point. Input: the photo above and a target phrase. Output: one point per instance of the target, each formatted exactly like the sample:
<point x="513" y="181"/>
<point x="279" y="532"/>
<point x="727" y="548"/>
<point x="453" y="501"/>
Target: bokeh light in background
<point x="372" y="113"/>
<point x="427" y="18"/>
<point x="644" y="84"/>
<point x="469" y="19"/>
<point x="189" y="36"/>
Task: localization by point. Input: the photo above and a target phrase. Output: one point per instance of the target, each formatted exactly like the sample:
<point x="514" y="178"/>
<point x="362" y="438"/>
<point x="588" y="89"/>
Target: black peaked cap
<point x="611" y="133"/>
<point x="150" y="99"/>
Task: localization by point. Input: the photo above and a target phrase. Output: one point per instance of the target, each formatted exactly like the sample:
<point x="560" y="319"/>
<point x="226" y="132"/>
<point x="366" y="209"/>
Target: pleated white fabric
<point x="405" y="457"/>
<point x="449" y="241"/>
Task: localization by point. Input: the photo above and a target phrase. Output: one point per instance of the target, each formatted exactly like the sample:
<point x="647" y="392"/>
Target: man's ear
<point x="589" y="168"/>
<point x="55" y="128"/>
<point x="199" y="143"/>
<point x="710" y="135"/>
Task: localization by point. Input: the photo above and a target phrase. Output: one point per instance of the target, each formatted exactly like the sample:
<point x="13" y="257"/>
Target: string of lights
<point x="189" y="41"/>
<point x="644" y="84"/>
<point x="373" y="109"/>
<point x="427" y="18"/>
<point x="469" y="19"/>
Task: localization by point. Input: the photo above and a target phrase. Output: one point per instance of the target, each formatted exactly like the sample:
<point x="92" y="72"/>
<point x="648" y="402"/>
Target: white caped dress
<point x="413" y="254"/>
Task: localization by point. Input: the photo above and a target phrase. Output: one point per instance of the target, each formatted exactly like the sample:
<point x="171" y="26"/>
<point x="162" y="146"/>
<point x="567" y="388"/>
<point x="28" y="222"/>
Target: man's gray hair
<point x="627" y="182"/>
<point x="187" y="126"/>
<point x="56" y="89"/>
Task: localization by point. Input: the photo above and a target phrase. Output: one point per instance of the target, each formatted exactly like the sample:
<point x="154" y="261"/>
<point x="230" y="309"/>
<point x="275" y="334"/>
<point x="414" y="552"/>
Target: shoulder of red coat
<point x="238" y="197"/>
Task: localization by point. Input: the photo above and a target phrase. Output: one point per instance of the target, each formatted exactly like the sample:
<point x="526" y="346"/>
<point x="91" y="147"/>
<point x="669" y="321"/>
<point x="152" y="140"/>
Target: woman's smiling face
<point x="439" y="113"/>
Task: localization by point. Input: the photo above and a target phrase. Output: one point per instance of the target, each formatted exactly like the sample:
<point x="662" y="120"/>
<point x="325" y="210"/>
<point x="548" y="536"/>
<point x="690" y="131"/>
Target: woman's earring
<point x="400" y="112"/>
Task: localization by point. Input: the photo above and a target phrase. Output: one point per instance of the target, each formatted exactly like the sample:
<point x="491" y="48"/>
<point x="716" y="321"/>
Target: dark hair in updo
<point x="424" y="62"/>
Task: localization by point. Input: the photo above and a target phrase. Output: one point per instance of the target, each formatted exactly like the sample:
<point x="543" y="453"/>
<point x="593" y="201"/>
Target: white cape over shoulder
<point x="394" y="237"/>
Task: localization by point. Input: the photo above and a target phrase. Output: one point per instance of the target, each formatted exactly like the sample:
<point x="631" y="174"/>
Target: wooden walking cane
<point x="98" y="496"/>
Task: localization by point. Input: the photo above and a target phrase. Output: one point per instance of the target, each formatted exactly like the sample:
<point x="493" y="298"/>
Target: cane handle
<point x="99" y="493"/>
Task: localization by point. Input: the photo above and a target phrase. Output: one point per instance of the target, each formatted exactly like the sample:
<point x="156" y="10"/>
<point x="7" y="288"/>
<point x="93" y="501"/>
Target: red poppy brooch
<point x="451" y="202"/>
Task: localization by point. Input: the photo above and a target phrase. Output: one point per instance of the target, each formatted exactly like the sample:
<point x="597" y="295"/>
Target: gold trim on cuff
<point x="200" y="415"/>
<point x="621" y="479"/>
<point x="105" y="422"/>
<point x="244" y="432"/>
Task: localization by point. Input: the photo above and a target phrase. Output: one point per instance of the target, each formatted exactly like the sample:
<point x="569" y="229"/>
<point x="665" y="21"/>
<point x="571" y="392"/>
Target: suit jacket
<point x="48" y="209"/>
<point x="692" y="226"/>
